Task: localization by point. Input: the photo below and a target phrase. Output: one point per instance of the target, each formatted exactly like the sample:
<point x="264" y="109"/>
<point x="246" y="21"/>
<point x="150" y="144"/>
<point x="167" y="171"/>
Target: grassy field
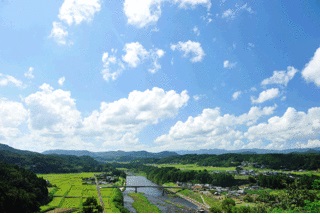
<point x="142" y="205"/>
<point x="107" y="197"/>
<point x="70" y="192"/>
<point x="195" y="167"/>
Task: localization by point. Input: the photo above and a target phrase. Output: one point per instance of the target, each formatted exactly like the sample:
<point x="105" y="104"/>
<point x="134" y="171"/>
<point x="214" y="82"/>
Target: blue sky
<point x="159" y="74"/>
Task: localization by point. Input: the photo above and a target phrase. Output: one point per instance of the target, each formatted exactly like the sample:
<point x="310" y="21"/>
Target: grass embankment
<point x="142" y="205"/>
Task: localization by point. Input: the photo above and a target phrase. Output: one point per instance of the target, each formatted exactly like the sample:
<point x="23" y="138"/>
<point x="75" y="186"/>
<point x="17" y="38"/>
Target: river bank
<point x="166" y="203"/>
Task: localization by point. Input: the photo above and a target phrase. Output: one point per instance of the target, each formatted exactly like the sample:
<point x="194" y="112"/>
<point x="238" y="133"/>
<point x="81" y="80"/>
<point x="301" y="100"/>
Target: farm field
<point x="68" y="191"/>
<point x="196" y="167"/>
<point x="107" y="197"/>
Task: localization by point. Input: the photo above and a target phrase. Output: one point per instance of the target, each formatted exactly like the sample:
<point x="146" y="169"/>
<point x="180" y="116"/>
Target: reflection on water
<point x="166" y="203"/>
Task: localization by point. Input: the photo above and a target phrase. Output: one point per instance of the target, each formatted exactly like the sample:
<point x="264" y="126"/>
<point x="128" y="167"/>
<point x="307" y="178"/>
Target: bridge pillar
<point x="136" y="189"/>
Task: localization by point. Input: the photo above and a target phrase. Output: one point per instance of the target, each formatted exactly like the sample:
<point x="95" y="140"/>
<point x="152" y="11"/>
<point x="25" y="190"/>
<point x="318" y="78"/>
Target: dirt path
<point x="99" y="194"/>
<point x="204" y="202"/>
<point x="204" y="206"/>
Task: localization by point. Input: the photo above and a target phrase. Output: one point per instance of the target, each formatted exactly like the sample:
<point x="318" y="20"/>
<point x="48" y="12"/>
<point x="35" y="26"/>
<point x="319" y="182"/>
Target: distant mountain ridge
<point x="4" y="147"/>
<point x="248" y="151"/>
<point x="113" y="155"/>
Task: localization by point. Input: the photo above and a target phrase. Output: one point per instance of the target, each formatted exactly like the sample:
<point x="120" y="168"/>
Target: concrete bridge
<point x="140" y="186"/>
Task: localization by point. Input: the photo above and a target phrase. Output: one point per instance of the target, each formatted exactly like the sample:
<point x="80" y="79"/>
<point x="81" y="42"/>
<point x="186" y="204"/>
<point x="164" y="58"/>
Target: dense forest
<point x="21" y="190"/>
<point x="292" y="161"/>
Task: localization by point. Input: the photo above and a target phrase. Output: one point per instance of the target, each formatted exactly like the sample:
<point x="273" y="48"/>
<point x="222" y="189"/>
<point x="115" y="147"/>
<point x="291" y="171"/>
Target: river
<point x="169" y="203"/>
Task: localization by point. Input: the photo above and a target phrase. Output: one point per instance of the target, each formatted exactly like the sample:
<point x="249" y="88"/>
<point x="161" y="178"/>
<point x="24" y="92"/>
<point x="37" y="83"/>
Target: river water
<point x="169" y="203"/>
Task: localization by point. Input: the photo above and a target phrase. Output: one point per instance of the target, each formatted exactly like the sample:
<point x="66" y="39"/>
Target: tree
<point x="227" y="205"/>
<point x="91" y="206"/>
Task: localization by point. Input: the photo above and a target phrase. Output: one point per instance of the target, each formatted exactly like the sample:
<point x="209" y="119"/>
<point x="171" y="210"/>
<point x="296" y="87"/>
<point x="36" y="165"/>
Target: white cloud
<point x="155" y="55"/>
<point x="311" y="71"/>
<point x="29" y="73"/>
<point x="232" y="13"/>
<point x="228" y="65"/>
<point x="50" y="116"/>
<point x="135" y="54"/>
<point x="210" y="129"/>
<point x="309" y="144"/>
<point x="73" y="12"/>
<point x="196" y="30"/>
<point x="266" y="95"/>
<point x="190" y="49"/>
<point x="59" y="33"/>
<point x="283" y="132"/>
<point x="61" y="81"/>
<point x="250" y="45"/>
<point x="77" y="11"/>
<point x="112" y="67"/>
<point x="229" y="13"/>
<point x="125" y="118"/>
<point x="52" y="111"/>
<point x="141" y="13"/>
<point x="6" y="80"/>
<point x="13" y="115"/>
<point x="193" y="3"/>
<point x="207" y="18"/>
<point x="281" y="77"/>
<point x="236" y="95"/>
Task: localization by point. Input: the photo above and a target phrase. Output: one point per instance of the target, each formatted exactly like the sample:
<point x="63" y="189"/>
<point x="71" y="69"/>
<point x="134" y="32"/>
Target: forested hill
<point x="292" y="161"/>
<point x="249" y="151"/>
<point x="40" y="163"/>
<point x="21" y="190"/>
<point x="114" y="155"/>
<point x="4" y="147"/>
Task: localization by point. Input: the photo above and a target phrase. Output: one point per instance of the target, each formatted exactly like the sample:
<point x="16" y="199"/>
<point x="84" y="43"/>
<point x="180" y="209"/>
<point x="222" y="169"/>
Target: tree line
<point x="161" y="175"/>
<point x="292" y="161"/>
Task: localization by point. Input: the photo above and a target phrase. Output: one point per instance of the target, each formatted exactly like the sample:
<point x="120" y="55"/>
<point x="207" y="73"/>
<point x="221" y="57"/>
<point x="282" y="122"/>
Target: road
<point x="99" y="194"/>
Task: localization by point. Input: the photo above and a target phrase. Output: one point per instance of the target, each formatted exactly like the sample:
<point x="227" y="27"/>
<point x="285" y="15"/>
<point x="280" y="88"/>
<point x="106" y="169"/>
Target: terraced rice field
<point x="69" y="191"/>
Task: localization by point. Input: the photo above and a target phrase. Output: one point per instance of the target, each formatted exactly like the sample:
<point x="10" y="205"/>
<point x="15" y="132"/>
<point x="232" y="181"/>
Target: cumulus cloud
<point x="13" y="115"/>
<point x="135" y="54"/>
<point x="211" y="129"/>
<point x="236" y="95"/>
<point x="266" y="95"/>
<point x="112" y="66"/>
<point x="294" y="126"/>
<point x="77" y="11"/>
<point x="61" y="81"/>
<point x="73" y="12"/>
<point x="50" y="116"/>
<point x="142" y="13"/>
<point x="228" y="65"/>
<point x="281" y="77"/>
<point x="190" y="49"/>
<point x="125" y="118"/>
<point x="6" y="80"/>
<point x="52" y="111"/>
<point x="311" y="71"/>
<point x="29" y="74"/>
